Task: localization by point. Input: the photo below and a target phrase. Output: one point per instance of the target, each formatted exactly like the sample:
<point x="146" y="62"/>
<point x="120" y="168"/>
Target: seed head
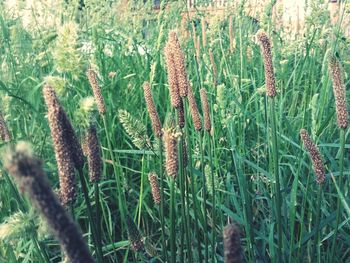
<point x="93" y="153"/>
<point x="179" y="62"/>
<point x="265" y="46"/>
<point x="205" y="108"/>
<point x="31" y="179"/>
<point x="171" y="154"/>
<point x="315" y="156"/>
<point x="232" y="44"/>
<point x="134" y="234"/>
<point x="152" y="110"/>
<point x="181" y="115"/>
<point x="63" y="150"/>
<point x="91" y="74"/>
<point x="339" y="92"/>
<point x="153" y="181"/>
<point x="4" y="132"/>
<point x="196" y="118"/>
<point x="172" y="76"/>
<point x="232" y="244"/>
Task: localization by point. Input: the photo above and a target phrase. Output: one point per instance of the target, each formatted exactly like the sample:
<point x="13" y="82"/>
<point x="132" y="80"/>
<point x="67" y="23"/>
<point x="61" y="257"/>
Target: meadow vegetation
<point x="164" y="136"/>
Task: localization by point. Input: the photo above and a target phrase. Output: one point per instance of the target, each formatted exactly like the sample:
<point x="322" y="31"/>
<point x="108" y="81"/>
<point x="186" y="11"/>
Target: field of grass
<point x="245" y="168"/>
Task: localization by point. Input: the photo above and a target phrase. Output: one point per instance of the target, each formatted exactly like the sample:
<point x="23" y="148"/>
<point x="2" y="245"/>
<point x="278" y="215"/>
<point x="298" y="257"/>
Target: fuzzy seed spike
<point x="62" y="149"/>
<point x="31" y="179"/>
<point x="152" y="110"/>
<point x="339" y="92"/>
<point x="179" y="63"/>
<point x="205" y="108"/>
<point x="265" y="46"/>
<point x="92" y="76"/>
<point x="172" y="77"/>
<point x="196" y="118"/>
<point x="153" y="181"/>
<point x="93" y="153"/>
<point x="4" y="132"/>
<point x="315" y="156"/>
<point x="232" y="244"/>
<point x="171" y="154"/>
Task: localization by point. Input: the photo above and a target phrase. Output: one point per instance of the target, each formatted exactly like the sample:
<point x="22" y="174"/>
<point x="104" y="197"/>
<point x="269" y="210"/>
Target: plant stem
<point x="98" y="213"/>
<point x="193" y="191"/>
<point x="172" y="221"/>
<point x="161" y="207"/>
<point x="317" y="225"/>
<point x="278" y="198"/>
<point x="204" y="199"/>
<point x="341" y="180"/>
<point x="98" y="246"/>
<point x="213" y="199"/>
<point x="121" y="196"/>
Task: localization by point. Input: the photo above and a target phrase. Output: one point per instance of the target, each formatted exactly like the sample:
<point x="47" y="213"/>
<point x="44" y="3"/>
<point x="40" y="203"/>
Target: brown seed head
<point x="315" y="156"/>
<point x="339" y="93"/>
<point x="172" y="77"/>
<point x="196" y="118"/>
<point x="265" y="46"/>
<point x="73" y="141"/>
<point x="179" y="62"/>
<point x="62" y="149"/>
<point x="171" y="154"/>
<point x="232" y="244"/>
<point x="205" y="108"/>
<point x="31" y="179"/>
<point x="93" y="153"/>
<point x="181" y="115"/>
<point x="4" y="132"/>
<point x="152" y="110"/>
<point x="91" y="74"/>
<point x="134" y="234"/>
<point x="153" y="181"/>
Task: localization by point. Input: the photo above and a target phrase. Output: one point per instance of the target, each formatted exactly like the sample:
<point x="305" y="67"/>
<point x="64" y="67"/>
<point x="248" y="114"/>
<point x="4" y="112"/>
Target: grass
<point x="127" y="50"/>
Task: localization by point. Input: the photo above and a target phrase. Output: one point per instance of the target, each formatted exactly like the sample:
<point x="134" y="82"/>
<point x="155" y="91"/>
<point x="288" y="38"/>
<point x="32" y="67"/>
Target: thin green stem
<point x="213" y="200"/>
<point x="121" y="196"/>
<point x="341" y="180"/>
<point x="90" y="217"/>
<point x="317" y="242"/>
<point x="274" y="159"/>
<point x="98" y="213"/>
<point x="193" y="191"/>
<point x="206" y="243"/>
<point x="161" y="207"/>
<point x="172" y="221"/>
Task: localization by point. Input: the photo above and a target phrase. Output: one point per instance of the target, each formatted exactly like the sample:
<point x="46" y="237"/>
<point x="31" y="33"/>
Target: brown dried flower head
<point x="135" y="236"/>
<point x="4" y="132"/>
<point x="171" y="154"/>
<point x="204" y="31"/>
<point x="232" y="244"/>
<point x="265" y="46"/>
<point x="172" y="77"/>
<point x="91" y="74"/>
<point x="339" y="92"/>
<point x="93" y="153"/>
<point x="205" y="108"/>
<point x="315" y="156"/>
<point x="152" y="110"/>
<point x="181" y="115"/>
<point x="196" y="118"/>
<point x="153" y="181"/>
<point x="63" y="151"/>
<point x="31" y="179"/>
<point x="179" y="63"/>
